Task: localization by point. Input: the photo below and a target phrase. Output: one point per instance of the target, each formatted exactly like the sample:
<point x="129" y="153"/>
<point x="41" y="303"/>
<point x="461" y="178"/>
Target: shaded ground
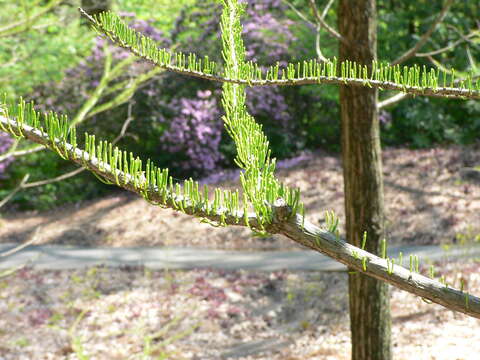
<point x="429" y="199"/>
<point x="136" y="313"/>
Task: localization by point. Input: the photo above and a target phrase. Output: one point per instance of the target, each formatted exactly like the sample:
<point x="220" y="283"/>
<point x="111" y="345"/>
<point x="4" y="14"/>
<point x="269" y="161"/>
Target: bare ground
<point x="136" y="313"/>
<point x="429" y="199"/>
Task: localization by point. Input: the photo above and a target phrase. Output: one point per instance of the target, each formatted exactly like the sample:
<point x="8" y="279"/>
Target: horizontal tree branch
<point x="17" y="153"/>
<point x="439" y="91"/>
<point x="465" y="38"/>
<point x="334" y="80"/>
<point x="295" y="227"/>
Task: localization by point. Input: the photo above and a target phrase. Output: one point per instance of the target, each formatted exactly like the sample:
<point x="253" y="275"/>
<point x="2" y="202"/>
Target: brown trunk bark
<point x="362" y="168"/>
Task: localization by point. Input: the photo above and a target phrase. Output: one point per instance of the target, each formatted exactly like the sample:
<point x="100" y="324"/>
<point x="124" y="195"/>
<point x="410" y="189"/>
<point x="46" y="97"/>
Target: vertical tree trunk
<point x="362" y="169"/>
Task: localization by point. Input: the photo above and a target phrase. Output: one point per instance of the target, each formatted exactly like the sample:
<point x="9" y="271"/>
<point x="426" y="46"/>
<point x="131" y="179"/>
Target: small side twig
<point x="425" y="37"/>
<point x="16" y="249"/>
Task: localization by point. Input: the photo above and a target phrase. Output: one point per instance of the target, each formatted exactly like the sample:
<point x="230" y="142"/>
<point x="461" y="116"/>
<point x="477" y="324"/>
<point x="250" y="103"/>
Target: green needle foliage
<point x="115" y="166"/>
<point x="276" y="208"/>
<point x="253" y="153"/>
<point x="414" y="80"/>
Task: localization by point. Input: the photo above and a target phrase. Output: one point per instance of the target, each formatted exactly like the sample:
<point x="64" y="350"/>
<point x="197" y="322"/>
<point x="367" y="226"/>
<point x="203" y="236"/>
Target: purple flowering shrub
<point x="195" y="132"/>
<point x="5" y="142"/>
<point x="267" y="38"/>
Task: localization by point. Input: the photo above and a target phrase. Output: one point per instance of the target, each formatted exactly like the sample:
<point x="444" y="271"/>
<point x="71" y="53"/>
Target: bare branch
<point x="323" y="24"/>
<point x="295" y="227"/>
<point x="22" y="152"/>
<point x="463" y="36"/>
<point x="425" y="37"/>
<point x="326" y="8"/>
<point x="17" y="189"/>
<point x="298" y="12"/>
<point x="317" y="26"/>
<point x="449" y="71"/>
<point x="450" y="46"/>
<point x="318" y="49"/>
<point x="53" y="180"/>
<point x="391" y="100"/>
<point x="16" y="249"/>
<point x="126" y="124"/>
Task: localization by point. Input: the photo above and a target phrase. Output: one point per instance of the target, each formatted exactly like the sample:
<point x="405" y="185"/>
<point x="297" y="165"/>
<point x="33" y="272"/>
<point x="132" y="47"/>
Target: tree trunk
<point x="370" y="321"/>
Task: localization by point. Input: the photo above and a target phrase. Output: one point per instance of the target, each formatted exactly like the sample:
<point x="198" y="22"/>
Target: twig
<point x="449" y="47"/>
<point x="53" y="180"/>
<point x="324" y="25"/>
<point x="318" y="49"/>
<point x="317" y="35"/>
<point x="391" y="100"/>
<point x="17" y="189"/>
<point x="298" y="12"/>
<point x="16" y="249"/>
<point x="18" y="153"/>
<point x="326" y="8"/>
<point x="410" y="53"/>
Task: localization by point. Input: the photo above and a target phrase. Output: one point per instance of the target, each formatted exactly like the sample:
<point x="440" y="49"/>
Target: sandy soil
<point x="429" y="199"/>
<point x="134" y="313"/>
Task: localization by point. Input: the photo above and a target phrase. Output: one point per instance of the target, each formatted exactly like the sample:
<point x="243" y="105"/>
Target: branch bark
<point x="323" y="24"/>
<point x="391" y="100"/>
<point x="296" y="228"/>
